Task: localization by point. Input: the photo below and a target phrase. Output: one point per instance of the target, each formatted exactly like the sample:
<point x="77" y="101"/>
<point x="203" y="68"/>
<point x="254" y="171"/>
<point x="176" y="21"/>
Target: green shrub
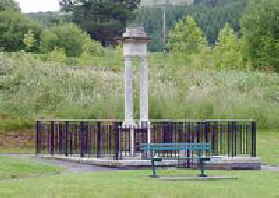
<point x="13" y="27"/>
<point x="71" y="38"/>
<point x="57" y="55"/>
<point x="29" y="40"/>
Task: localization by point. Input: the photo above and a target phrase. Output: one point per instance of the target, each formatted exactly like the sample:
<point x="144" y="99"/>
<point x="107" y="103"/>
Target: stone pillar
<point x="144" y="90"/>
<point x="129" y="101"/>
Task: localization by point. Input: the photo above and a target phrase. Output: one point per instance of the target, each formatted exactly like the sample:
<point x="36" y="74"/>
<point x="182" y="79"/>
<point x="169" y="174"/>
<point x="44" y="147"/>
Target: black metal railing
<point x="109" y="139"/>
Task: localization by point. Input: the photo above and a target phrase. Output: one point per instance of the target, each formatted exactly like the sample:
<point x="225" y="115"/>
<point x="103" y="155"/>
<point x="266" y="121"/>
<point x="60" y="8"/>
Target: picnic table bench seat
<point x="199" y="147"/>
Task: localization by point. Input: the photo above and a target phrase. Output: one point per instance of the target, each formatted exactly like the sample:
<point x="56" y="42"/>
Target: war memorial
<point x="117" y="143"/>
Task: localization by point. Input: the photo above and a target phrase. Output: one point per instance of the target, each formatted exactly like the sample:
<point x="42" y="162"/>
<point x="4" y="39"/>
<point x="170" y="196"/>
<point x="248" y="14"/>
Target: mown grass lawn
<point x="268" y="146"/>
<point x="21" y="168"/>
<point x="137" y="184"/>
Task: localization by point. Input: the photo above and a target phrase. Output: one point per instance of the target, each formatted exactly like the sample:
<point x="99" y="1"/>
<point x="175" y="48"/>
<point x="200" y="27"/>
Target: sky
<point x="38" y="5"/>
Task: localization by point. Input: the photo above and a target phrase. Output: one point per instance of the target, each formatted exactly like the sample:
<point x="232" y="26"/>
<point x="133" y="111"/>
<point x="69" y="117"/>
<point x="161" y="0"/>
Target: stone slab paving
<point x="217" y="163"/>
<point x="77" y="166"/>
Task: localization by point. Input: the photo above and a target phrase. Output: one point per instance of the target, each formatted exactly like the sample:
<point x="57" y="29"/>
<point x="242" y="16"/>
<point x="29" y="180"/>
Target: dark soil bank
<point x="17" y="139"/>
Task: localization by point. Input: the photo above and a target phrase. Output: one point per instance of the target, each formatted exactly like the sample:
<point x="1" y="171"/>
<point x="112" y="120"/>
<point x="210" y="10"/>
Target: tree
<point x="68" y="37"/>
<point x="102" y="19"/>
<point x="227" y="52"/>
<point x="260" y="27"/>
<point x="186" y="37"/>
<point x="10" y="5"/>
<point x="13" y="27"/>
<point x="212" y="15"/>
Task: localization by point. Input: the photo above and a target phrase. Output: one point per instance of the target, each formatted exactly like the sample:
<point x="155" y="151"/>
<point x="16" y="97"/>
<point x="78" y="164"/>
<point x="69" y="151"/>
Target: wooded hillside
<point x="164" y="2"/>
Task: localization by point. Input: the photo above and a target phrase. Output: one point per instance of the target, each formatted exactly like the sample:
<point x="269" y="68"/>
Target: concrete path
<point x="267" y="167"/>
<point x="75" y="167"/>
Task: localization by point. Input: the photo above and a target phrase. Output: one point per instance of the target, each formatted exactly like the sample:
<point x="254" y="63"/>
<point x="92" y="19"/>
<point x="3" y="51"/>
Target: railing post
<point x="71" y="141"/>
<point x="66" y="138"/>
<point x="81" y="139"/>
<point x="99" y="140"/>
<point x="117" y="130"/>
<point x="87" y="138"/>
<point x="52" y="138"/>
<point x="234" y="137"/>
<point x="60" y="138"/>
<point x="254" y="139"/>
<point x="38" y="137"/>
<point x="188" y="139"/>
<point x="132" y="140"/>
<point x="149" y="125"/>
<point x="229" y="138"/>
<point x="206" y="131"/>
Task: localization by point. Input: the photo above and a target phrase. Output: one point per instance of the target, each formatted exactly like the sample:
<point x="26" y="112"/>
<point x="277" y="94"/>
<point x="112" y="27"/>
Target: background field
<point x="32" y="89"/>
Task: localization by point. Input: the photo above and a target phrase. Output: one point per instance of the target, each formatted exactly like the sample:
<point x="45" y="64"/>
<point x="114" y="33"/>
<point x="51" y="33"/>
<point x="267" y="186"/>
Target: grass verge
<point x="13" y="124"/>
<point x="12" y="168"/>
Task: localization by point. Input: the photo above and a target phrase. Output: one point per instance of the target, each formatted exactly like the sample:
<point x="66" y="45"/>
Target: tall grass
<point x="32" y="89"/>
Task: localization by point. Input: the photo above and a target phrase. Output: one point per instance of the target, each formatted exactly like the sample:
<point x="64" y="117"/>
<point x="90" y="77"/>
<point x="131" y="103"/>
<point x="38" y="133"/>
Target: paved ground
<point x="77" y="167"/>
<point x="270" y="167"/>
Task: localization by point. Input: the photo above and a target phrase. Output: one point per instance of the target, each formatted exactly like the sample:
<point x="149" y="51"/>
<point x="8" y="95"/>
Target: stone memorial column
<point x="135" y="45"/>
<point x="144" y="90"/>
<point x="129" y="102"/>
<point x="144" y="102"/>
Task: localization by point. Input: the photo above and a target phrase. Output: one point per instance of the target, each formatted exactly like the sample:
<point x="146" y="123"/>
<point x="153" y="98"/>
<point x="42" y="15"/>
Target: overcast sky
<point x="38" y="5"/>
